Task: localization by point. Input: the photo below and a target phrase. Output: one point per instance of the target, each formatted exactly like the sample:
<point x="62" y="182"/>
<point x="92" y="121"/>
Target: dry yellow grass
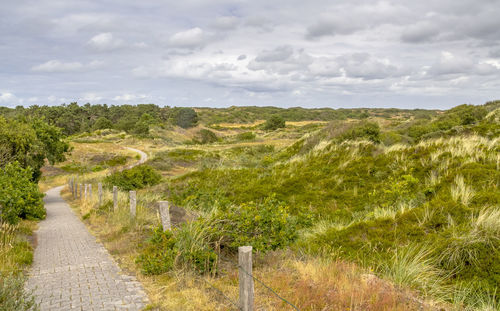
<point x="310" y="284"/>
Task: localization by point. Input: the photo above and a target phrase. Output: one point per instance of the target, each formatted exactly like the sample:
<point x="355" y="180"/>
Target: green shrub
<point x="115" y="161"/>
<point x="274" y="122"/>
<point x="19" y="195"/>
<point x="135" y="178"/>
<point x="186" y="247"/>
<point x="205" y="136"/>
<point x="13" y="297"/>
<point x="246" y="136"/>
<point x="364" y="130"/>
<point x="158" y="255"/>
<point x="186" y="117"/>
<point x="266" y="226"/>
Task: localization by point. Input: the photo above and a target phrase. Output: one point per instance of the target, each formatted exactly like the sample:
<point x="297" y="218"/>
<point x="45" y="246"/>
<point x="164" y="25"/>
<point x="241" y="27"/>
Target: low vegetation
<point x="377" y="209"/>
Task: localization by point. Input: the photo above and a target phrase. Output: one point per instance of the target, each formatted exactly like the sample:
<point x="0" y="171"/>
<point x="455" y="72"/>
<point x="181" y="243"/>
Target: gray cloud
<point x="420" y="32"/>
<point x="284" y="52"/>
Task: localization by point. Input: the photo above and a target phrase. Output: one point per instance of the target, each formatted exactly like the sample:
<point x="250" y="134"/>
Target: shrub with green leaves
<point x="13" y="297"/>
<point x="137" y="177"/>
<point x="205" y="136"/>
<point x="274" y="122"/>
<point x="246" y="136"/>
<point x="266" y="226"/>
<point x="19" y="195"/>
<point x="158" y="255"/>
<point x="187" y="246"/>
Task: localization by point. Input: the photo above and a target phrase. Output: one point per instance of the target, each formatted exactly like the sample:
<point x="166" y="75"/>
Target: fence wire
<point x="235" y="304"/>
<point x="268" y="288"/>
<point x="259" y="281"/>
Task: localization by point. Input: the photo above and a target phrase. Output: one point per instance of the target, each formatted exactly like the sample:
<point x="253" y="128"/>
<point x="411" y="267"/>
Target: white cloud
<point x="451" y="64"/>
<point x="58" y="66"/>
<point x="190" y="39"/>
<point x="105" y="42"/>
<point x="129" y="97"/>
<point x="9" y="99"/>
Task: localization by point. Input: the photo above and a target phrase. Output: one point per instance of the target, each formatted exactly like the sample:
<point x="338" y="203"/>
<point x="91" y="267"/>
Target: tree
<point x="186" y="117"/>
<point x="30" y="143"/>
<point x="102" y="123"/>
<point x="274" y="122"/>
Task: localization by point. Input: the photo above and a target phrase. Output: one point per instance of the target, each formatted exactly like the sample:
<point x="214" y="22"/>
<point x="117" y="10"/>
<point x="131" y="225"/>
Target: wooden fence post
<point x="99" y="193"/>
<point x="245" y="278"/>
<point x="85" y="193"/>
<point x="164" y="214"/>
<point x="115" y="198"/>
<point x="81" y="190"/>
<point x="90" y="191"/>
<point x="133" y="202"/>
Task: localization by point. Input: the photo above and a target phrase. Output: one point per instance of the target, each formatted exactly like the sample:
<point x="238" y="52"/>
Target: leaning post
<point x="164" y="209"/>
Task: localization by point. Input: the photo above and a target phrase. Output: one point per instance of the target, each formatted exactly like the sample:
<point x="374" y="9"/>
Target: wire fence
<point x="253" y="277"/>
<point x="74" y="188"/>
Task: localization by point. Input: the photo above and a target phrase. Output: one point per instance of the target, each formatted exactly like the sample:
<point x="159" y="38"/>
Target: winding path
<point x="72" y="271"/>
<point x="144" y="157"/>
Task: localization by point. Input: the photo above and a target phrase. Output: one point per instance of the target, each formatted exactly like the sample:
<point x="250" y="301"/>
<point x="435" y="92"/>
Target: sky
<point x="431" y="54"/>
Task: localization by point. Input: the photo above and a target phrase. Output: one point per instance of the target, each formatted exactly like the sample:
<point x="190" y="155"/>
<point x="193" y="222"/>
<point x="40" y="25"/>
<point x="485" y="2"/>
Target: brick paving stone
<point x="72" y="271"/>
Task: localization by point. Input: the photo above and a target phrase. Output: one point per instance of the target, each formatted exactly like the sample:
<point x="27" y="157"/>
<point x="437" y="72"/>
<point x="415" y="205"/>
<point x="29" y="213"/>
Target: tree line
<point x="74" y="118"/>
<point x="25" y="145"/>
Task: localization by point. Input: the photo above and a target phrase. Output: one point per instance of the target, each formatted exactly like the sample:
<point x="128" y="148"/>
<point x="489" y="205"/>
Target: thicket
<point x="135" y="178"/>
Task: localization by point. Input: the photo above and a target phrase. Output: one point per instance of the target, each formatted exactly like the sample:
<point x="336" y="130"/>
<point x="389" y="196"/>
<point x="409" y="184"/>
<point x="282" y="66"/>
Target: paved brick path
<point x="71" y="271"/>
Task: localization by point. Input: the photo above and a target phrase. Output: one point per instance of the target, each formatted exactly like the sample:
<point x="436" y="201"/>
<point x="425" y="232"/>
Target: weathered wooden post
<point x="73" y="187"/>
<point x="81" y="186"/>
<point x="99" y="193"/>
<point x="90" y="191"/>
<point x="85" y="193"/>
<point x="133" y="203"/>
<point x="164" y="214"/>
<point x="115" y="198"/>
<point x="245" y="278"/>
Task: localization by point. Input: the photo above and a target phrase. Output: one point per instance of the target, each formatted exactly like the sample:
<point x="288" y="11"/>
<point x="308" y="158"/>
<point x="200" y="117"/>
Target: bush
<point x="135" y="178"/>
<point x="19" y="195"/>
<point x="12" y="294"/>
<point x="205" y="137"/>
<point x="266" y="226"/>
<point x="364" y="130"/>
<point x="186" y="117"/>
<point x="274" y="123"/>
<point x="246" y="136"/>
<point x="187" y="246"/>
<point x="159" y="254"/>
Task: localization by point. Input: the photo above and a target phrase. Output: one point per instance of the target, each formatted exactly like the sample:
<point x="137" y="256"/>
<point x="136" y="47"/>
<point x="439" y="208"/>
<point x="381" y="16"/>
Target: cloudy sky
<point x="219" y="53"/>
